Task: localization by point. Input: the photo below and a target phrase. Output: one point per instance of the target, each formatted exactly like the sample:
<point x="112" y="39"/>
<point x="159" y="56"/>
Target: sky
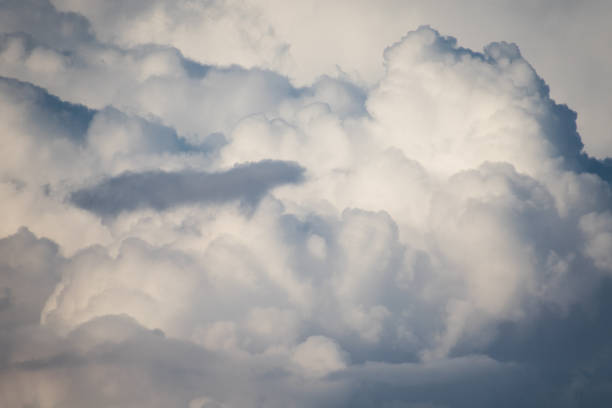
<point x="241" y="204"/>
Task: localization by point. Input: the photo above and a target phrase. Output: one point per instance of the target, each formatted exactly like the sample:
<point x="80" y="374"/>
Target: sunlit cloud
<point x="198" y="215"/>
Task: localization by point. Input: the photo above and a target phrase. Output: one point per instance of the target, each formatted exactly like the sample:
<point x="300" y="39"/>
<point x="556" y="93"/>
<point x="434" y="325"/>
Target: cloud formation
<point x="160" y="190"/>
<point x="437" y="237"/>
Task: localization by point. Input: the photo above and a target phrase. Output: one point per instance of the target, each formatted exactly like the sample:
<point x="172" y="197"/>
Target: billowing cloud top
<point x="194" y="220"/>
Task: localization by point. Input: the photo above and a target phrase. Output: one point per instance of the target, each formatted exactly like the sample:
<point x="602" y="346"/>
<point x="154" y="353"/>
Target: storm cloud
<point x="218" y="204"/>
<point x="163" y="190"/>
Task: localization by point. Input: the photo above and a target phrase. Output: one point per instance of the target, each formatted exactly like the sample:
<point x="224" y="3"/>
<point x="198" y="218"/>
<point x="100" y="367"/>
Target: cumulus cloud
<point x="281" y="36"/>
<point x="198" y="224"/>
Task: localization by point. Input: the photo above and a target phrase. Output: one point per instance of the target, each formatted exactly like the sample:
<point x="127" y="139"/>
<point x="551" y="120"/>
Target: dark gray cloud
<point x="560" y="126"/>
<point x="29" y="270"/>
<point x="41" y="20"/>
<point x="48" y="115"/>
<point x="569" y="353"/>
<point x="162" y="190"/>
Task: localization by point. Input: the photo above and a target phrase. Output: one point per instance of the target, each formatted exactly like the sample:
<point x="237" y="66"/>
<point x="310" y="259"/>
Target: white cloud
<point x="318" y="356"/>
<point x="222" y="237"/>
<point x="351" y="35"/>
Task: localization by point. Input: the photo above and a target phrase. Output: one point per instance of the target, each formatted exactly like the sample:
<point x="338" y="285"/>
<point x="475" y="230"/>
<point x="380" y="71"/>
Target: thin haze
<point x="240" y="204"/>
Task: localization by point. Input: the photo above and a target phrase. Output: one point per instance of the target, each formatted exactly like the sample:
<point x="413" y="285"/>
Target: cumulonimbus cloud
<point x="437" y="239"/>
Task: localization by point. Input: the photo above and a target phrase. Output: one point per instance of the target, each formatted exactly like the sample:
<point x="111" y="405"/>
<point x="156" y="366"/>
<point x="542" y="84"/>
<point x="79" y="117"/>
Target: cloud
<point x="46" y="24"/>
<point x="160" y="191"/>
<point x="275" y="35"/>
<point x="318" y="356"/>
<point x="30" y="271"/>
<point x="433" y="235"/>
<point x="61" y="119"/>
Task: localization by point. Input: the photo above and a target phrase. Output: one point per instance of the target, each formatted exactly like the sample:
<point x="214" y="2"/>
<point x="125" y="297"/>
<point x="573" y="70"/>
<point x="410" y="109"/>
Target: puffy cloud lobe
<point x="411" y="245"/>
<point x="318" y="356"/>
<point x="29" y="273"/>
<point x="158" y="82"/>
<point x="191" y="27"/>
<point x="506" y="117"/>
